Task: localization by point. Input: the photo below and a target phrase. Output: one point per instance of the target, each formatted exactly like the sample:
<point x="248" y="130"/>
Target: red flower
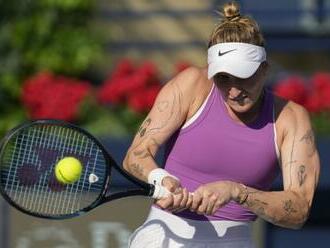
<point x="150" y="96"/>
<point x="123" y="68"/>
<point x="143" y="100"/>
<point x="110" y="92"/>
<point x="181" y="66"/>
<point x="321" y="80"/>
<point x="313" y="103"/>
<point x="136" y="101"/>
<point x="292" y="88"/>
<point x="321" y="89"/>
<point x="47" y="96"/>
<point x="149" y="70"/>
<point x="318" y="97"/>
<point x="137" y="87"/>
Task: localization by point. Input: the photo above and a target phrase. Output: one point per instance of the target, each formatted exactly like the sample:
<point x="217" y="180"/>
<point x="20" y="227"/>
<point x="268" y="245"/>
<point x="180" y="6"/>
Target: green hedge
<point x="38" y="35"/>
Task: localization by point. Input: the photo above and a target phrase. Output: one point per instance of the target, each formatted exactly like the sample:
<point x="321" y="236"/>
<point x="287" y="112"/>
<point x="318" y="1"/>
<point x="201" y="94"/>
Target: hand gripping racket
<point x="28" y="155"/>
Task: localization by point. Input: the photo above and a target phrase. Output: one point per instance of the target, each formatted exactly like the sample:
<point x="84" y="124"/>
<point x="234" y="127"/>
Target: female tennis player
<point x="227" y="138"/>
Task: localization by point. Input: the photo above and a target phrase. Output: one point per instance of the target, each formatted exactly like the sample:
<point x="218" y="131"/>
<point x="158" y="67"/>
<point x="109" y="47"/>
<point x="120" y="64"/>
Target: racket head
<point x="28" y="156"/>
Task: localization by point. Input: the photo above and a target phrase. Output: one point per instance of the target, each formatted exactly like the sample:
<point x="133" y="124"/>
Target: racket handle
<point x="160" y="192"/>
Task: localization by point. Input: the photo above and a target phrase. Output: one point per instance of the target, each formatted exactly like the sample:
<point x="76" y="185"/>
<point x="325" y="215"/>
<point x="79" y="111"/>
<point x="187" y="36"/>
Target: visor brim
<point x="242" y="69"/>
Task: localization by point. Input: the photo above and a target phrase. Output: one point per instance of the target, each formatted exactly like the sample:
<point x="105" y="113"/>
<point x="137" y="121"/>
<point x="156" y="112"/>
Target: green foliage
<point x="36" y="35"/>
<point x="48" y="35"/>
<point x="321" y="123"/>
<point x="119" y="121"/>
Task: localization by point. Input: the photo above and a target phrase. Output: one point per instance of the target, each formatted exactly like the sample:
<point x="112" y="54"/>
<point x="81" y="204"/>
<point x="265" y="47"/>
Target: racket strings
<point x="27" y="172"/>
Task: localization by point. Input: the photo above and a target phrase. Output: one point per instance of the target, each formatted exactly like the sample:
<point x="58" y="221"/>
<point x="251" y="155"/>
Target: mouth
<point x="239" y="98"/>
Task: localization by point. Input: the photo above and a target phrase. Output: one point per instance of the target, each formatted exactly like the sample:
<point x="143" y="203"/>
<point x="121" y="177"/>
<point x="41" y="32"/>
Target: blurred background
<point x="100" y="65"/>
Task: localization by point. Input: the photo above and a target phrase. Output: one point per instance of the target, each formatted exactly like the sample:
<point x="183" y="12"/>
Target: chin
<point x="241" y="108"/>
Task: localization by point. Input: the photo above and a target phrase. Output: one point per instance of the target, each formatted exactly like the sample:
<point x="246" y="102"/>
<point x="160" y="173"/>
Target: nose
<point x="234" y="92"/>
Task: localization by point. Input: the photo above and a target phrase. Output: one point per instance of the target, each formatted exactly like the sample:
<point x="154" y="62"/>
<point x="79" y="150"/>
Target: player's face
<point x="241" y="94"/>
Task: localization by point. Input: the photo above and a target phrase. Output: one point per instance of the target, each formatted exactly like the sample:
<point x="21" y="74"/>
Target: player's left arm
<point x="300" y="168"/>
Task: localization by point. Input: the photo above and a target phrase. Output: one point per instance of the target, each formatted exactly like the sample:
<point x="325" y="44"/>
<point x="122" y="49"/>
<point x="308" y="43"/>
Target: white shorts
<point x="165" y="230"/>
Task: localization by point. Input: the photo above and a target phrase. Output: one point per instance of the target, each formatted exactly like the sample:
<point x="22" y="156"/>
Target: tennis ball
<point x="68" y="170"/>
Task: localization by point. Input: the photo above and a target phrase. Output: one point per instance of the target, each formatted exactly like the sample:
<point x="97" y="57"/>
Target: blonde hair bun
<point x="234" y="27"/>
<point x="231" y="11"/>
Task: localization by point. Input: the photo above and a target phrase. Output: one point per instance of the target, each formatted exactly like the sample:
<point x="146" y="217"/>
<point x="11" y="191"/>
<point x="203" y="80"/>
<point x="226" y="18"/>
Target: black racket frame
<point x="144" y="190"/>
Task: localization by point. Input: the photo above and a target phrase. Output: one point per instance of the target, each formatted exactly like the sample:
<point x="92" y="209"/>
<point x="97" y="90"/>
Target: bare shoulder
<point x="194" y="85"/>
<point x="290" y="116"/>
<point x="192" y="79"/>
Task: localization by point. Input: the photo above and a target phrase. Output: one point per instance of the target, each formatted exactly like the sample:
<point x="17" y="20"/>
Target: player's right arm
<point x="169" y="112"/>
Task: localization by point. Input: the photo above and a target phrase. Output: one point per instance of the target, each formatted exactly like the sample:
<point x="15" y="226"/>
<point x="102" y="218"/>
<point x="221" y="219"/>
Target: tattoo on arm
<point x="175" y="108"/>
<point x="251" y="201"/>
<point x="261" y="211"/>
<point x="302" y="174"/>
<point x="287" y="206"/>
<point x="263" y="208"/>
<point x="162" y="106"/>
<point x="309" y="139"/>
<point x="142" y="154"/>
<point x="137" y="169"/>
<point x="291" y="161"/>
<point x="258" y="205"/>
<point x="144" y="127"/>
<point x="255" y="202"/>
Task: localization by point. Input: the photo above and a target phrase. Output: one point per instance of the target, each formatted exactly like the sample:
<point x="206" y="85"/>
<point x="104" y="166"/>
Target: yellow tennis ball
<point x="68" y="170"/>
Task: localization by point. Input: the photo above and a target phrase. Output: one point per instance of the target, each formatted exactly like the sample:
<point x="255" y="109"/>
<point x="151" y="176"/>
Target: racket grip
<point x="160" y="192"/>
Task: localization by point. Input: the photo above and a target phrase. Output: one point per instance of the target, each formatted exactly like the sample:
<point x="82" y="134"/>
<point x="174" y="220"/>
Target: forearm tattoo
<point x="144" y="127"/>
<point x="288" y="207"/>
<point x="168" y="110"/>
<point x="142" y="154"/>
<point x="258" y="205"/>
<point x="137" y="170"/>
<point x="309" y="139"/>
<point x="263" y="208"/>
<point x="302" y="175"/>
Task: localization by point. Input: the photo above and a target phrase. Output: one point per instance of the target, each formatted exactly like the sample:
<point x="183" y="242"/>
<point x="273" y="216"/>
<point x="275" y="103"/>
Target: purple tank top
<point x="214" y="147"/>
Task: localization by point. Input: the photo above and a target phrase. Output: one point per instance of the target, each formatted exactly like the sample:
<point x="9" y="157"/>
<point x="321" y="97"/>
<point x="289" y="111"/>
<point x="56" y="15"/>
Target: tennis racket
<point x="28" y="155"/>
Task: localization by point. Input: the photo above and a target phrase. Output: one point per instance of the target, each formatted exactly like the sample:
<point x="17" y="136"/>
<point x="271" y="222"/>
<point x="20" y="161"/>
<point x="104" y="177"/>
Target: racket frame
<point x="145" y="188"/>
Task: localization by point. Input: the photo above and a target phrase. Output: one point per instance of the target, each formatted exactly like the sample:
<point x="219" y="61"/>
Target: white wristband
<point x="157" y="175"/>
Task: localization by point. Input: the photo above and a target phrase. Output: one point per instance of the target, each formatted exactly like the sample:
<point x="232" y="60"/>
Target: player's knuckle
<point x="200" y="210"/>
<point x="201" y="188"/>
<point x="182" y="204"/>
<point x="213" y="197"/>
<point x="172" y="188"/>
<point x="189" y="203"/>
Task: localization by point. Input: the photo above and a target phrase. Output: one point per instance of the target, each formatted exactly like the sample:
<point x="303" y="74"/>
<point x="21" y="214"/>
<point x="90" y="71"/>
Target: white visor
<point x="238" y="59"/>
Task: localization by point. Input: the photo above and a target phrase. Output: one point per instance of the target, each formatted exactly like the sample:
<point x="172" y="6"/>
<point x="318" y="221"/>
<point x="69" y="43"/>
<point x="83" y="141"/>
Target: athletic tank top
<point x="214" y="147"/>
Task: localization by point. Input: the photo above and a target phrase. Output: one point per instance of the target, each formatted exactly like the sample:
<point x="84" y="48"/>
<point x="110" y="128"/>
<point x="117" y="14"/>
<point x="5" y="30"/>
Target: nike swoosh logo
<point x="220" y="53"/>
